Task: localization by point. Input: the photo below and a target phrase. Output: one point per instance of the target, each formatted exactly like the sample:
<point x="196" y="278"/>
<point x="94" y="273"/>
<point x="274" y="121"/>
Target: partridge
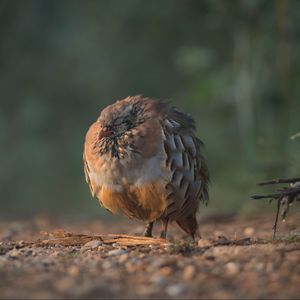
<point x="143" y="159"/>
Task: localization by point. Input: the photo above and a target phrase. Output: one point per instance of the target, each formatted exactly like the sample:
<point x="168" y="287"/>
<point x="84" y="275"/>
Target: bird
<point x="142" y="158"/>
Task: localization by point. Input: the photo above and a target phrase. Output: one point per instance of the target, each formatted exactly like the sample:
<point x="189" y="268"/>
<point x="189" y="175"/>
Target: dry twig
<point x="64" y="238"/>
<point x="285" y="196"/>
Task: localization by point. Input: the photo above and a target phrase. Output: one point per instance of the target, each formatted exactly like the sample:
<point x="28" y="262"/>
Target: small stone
<point x="166" y="271"/>
<point x="232" y="268"/>
<point x="141" y="256"/>
<point x="204" y="243"/>
<point x="159" y="280"/>
<point x="123" y="258"/>
<point x="163" y="262"/>
<point x="20" y="244"/>
<point x="176" y="290"/>
<point x="249" y="231"/>
<point x="116" y="252"/>
<point x="73" y="271"/>
<point x="145" y="250"/>
<point x="259" y="266"/>
<point x="107" y="264"/>
<point x="91" y="245"/>
<point x="130" y="267"/>
<point x="14" y="254"/>
<point x="189" y="272"/>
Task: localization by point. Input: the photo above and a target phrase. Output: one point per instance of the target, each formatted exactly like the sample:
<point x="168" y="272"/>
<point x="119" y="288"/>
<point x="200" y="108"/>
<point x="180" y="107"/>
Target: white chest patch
<point x="116" y="174"/>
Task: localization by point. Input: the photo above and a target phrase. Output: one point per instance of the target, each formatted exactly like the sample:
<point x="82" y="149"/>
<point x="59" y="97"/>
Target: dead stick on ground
<point x="72" y="239"/>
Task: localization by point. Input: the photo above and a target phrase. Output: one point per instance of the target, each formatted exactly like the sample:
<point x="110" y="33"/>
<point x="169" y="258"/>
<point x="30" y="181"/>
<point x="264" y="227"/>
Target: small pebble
<point x="20" y="244"/>
<point x="123" y="258"/>
<point x="107" y="264"/>
<point x="176" y="290"/>
<point x="189" y="272"/>
<point x="116" y="252"/>
<point x="163" y="262"/>
<point x="232" y="268"/>
<point x="166" y="271"/>
<point x="204" y="243"/>
<point x="130" y="267"/>
<point x="259" y="266"/>
<point x="159" y="280"/>
<point x="73" y="271"/>
<point x="14" y="253"/>
<point x="91" y="245"/>
<point x="249" y="231"/>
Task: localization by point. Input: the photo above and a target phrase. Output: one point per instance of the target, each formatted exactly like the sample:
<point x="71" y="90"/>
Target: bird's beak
<point x="104" y="132"/>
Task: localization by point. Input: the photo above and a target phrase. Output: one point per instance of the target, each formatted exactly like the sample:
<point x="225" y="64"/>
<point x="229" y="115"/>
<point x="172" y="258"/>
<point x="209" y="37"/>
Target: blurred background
<point x="234" y="65"/>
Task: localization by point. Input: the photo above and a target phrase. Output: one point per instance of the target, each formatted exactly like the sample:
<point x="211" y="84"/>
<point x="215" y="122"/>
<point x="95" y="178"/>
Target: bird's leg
<point x="163" y="233"/>
<point x="148" y="229"/>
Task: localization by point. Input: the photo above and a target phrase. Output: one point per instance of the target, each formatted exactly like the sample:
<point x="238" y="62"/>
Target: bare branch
<point x="281" y="193"/>
<point x="284" y="197"/>
<point x="279" y="180"/>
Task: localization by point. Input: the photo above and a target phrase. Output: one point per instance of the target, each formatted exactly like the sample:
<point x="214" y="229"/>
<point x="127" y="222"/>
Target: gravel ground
<point x="235" y="259"/>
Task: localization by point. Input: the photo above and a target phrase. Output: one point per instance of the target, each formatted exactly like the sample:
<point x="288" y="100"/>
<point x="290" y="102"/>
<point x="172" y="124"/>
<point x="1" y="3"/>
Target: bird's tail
<point x="189" y="224"/>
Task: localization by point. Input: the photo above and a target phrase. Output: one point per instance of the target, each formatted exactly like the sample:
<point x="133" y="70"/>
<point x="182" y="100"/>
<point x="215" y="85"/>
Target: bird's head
<point x="120" y="117"/>
<point x="122" y="127"/>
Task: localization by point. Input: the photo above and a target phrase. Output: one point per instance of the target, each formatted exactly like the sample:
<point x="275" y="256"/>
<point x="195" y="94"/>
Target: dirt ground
<point x="235" y="259"/>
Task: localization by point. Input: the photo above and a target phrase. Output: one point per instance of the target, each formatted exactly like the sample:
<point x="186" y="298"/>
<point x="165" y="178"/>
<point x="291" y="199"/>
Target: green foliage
<point x="233" y="65"/>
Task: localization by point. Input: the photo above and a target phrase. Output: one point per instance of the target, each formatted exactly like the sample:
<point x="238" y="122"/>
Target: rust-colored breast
<point x="146" y="202"/>
<point x="133" y="185"/>
<point x="89" y="156"/>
